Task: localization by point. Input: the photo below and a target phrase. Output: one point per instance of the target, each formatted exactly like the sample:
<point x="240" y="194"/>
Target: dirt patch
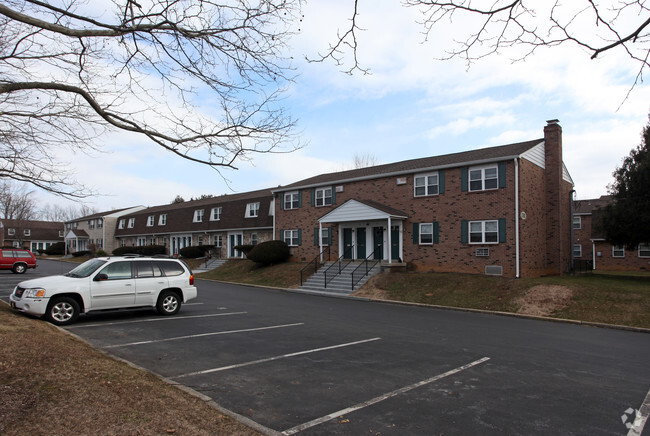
<point x="371" y="290"/>
<point x="543" y="300"/>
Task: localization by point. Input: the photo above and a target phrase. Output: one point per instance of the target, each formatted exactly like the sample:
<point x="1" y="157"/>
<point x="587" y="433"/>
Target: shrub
<point x="270" y="252"/>
<point x="244" y="248"/>
<point x="100" y="253"/>
<point x="81" y="253"/>
<point x="192" y="252"/>
<point x="55" y="249"/>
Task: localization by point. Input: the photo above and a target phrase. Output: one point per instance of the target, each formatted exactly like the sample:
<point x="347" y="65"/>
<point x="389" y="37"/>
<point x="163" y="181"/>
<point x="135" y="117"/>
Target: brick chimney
<point x="557" y="201"/>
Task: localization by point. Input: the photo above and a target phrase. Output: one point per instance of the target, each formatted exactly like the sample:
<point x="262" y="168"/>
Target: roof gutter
<point x="395" y="173"/>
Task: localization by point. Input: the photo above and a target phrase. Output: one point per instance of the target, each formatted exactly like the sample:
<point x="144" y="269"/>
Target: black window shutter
<point x="441" y="182"/>
<point x="463" y="179"/>
<point x="436" y="232"/>
<point x="502" y="230"/>
<point x="502" y="174"/>
<point x="416" y="233"/>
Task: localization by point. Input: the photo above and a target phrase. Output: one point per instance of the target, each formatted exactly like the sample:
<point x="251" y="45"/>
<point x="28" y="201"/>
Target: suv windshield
<point x="86" y="268"/>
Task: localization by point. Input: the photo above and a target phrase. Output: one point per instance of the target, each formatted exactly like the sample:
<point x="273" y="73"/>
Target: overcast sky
<point x="411" y="106"/>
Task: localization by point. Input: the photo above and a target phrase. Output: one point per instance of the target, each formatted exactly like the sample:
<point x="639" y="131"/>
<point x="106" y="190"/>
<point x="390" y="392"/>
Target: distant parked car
<point x="107" y="283"/>
<point x="16" y="259"/>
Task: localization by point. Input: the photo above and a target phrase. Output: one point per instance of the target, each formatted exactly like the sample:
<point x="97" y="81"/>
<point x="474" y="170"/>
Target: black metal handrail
<point x="316" y="262"/>
<point x="368" y="267"/>
<point x="338" y="263"/>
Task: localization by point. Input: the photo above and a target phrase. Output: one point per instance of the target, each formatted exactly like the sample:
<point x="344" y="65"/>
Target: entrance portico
<point x="367" y="229"/>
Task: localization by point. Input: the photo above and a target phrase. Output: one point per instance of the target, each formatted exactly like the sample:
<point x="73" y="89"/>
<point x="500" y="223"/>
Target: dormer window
<point x="252" y="210"/>
<point x="162" y="220"/>
<point x="120" y="224"/>
<point x="150" y="221"/>
<point x="131" y="223"/>
<point x="215" y="214"/>
<point x="198" y="215"/>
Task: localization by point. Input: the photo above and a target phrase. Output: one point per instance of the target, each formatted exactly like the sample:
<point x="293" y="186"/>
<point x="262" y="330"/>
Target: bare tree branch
<point x="68" y="75"/>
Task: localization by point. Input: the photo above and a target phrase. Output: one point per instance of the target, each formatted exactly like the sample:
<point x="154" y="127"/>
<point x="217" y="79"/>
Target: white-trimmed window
<point x="426" y="233"/>
<point x="120" y="224"/>
<point x="323" y="196"/>
<point x="142" y="241"/>
<point x="91" y="224"/>
<point x="292" y="237"/>
<point x="27" y="232"/>
<point x="577" y="222"/>
<point x="218" y="241"/>
<point x="644" y="250"/>
<point x="131" y="223"/>
<point x="577" y="250"/>
<point x="198" y="215"/>
<point x="426" y="184"/>
<point x="291" y="200"/>
<point x="215" y="214"/>
<point x="61" y="233"/>
<point x="618" y="251"/>
<point x="254" y="239"/>
<point x="252" y="210"/>
<point x="162" y="219"/>
<point x="484" y="232"/>
<point x="100" y="223"/>
<point x="483" y="178"/>
<point x="150" y="221"/>
<point x="11" y="232"/>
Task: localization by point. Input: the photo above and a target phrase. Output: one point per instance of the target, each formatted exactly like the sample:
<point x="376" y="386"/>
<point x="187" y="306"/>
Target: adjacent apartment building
<point x="501" y="210"/>
<point x="33" y="235"/>
<point x="94" y="232"/>
<point x="591" y="251"/>
<point x="225" y="221"/>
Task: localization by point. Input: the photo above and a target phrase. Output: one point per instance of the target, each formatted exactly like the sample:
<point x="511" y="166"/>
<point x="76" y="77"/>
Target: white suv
<point x="107" y="283"/>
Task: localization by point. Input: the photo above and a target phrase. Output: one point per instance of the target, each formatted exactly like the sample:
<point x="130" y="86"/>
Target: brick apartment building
<point x="225" y="221"/>
<point x="501" y="210"/>
<point x="33" y="235"/>
<point x="591" y="251"/>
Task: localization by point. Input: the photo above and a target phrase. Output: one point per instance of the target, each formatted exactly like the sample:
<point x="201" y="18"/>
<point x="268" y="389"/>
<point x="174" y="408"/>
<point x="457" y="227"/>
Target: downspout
<point x="320" y="239"/>
<point x="390" y="246"/>
<point x="572" y="195"/>
<point x="516" y="160"/>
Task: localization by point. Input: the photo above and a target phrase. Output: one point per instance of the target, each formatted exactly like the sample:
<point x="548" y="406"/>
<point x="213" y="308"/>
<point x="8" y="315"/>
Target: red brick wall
<point x="448" y="209"/>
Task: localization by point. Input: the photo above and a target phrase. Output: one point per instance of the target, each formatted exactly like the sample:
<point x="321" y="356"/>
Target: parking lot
<point x="294" y="363"/>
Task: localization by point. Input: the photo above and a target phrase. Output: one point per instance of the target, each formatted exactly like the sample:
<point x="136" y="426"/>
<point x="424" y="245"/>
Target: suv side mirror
<point x="101" y="277"/>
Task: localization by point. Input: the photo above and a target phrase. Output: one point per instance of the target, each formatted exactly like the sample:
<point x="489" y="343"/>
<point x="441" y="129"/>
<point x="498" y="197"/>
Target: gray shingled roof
<point x="444" y="161"/>
<point x="589" y="206"/>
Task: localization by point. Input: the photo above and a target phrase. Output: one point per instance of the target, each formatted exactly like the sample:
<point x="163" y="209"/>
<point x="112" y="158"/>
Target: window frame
<point x="292" y="199"/>
<point x="253" y="210"/>
<point x="198" y="215"/>
<point x="121" y="223"/>
<point x="483" y="232"/>
<point x="577" y="250"/>
<point x="426" y="185"/>
<point x="27" y="232"/>
<point x="150" y="220"/>
<point x="290" y="239"/>
<point x="131" y="223"/>
<point x="11" y="232"/>
<point x="483" y="179"/>
<point x="577" y="219"/>
<point x="215" y="213"/>
<point x="324" y="197"/>
<point x="421" y="233"/>
<point x="162" y="219"/>
<point x="616" y="249"/>
<point x="646" y="248"/>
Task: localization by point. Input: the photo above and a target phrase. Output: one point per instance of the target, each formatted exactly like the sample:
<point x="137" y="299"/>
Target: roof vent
<point x="550" y="122"/>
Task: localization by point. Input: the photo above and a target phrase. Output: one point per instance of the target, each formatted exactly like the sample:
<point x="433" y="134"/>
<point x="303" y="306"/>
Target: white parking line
<point x="641" y="417"/>
<point x="203" y="335"/>
<point x="171" y="318"/>
<point x="380" y="398"/>
<point x="270" y="359"/>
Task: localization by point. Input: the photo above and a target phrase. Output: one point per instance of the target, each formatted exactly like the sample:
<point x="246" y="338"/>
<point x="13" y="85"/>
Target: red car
<point x="16" y="259"/>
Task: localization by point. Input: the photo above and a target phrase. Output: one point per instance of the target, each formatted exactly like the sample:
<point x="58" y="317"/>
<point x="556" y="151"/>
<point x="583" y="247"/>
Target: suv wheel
<point x="19" y="268"/>
<point x="62" y="311"/>
<point x="169" y="303"/>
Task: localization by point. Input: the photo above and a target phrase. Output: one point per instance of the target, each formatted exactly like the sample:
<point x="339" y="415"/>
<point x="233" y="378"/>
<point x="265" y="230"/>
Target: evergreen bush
<point x="56" y="249"/>
<point x="270" y="252"/>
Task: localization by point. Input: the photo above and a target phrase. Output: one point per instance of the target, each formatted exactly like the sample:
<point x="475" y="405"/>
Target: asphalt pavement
<point x="296" y="363"/>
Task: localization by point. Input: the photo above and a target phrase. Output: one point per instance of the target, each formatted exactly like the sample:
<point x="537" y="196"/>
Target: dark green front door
<point x="347" y="243"/>
<point x="378" y="242"/>
<point x="361" y="243"/>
